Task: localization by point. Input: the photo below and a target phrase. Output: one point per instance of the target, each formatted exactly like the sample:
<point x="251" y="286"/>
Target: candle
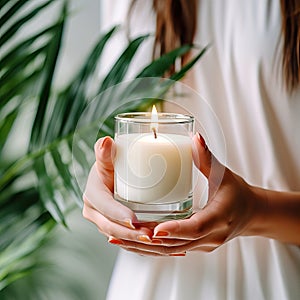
<point x="153" y="170"/>
<point x="153" y="164"/>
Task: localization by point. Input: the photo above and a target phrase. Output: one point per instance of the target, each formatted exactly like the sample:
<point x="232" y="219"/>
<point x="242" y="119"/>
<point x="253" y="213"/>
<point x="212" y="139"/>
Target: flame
<point x="154" y="120"/>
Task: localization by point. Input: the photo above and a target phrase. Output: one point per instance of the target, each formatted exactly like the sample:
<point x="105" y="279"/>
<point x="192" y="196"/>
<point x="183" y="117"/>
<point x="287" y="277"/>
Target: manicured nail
<point x="202" y="141"/>
<point x="156" y="241"/>
<point x="103" y="142"/>
<point x="144" y="238"/>
<point x="161" y="233"/>
<point x="178" y="254"/>
<point x="114" y="241"/>
<point x="128" y="224"/>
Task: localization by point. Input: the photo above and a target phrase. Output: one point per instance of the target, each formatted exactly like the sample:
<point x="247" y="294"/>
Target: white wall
<point x="81" y="33"/>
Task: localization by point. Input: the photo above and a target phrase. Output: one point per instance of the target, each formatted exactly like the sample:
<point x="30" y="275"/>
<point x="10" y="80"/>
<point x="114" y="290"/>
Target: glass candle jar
<point x="153" y="164"/>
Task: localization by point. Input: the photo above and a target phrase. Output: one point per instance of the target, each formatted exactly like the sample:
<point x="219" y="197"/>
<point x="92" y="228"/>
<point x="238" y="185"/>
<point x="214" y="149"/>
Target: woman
<point x="244" y="244"/>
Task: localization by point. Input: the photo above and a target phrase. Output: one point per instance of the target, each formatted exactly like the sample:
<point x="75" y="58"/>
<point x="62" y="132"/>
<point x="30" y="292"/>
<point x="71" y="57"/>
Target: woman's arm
<point x="279" y="216"/>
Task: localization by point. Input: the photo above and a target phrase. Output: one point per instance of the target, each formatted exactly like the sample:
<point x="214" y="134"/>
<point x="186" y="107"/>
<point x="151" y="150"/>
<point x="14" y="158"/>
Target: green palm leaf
<point x="158" y="67"/>
<point x="19" y="23"/>
<point x="119" y="69"/>
<point x="11" y="11"/>
<point x="50" y="64"/>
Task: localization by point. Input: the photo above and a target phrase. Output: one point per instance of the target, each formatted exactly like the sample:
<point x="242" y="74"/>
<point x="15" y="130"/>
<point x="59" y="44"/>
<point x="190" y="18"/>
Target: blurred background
<point x="76" y="262"/>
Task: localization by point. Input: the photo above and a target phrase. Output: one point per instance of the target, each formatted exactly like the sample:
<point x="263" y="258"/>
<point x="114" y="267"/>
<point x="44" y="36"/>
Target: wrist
<point x="258" y="222"/>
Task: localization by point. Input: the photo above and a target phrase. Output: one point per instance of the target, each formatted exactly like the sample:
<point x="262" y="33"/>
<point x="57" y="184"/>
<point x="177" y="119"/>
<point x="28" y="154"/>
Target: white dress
<point x="240" y="76"/>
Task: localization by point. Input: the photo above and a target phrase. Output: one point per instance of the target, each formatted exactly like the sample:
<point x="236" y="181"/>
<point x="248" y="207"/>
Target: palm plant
<point x="37" y="184"/>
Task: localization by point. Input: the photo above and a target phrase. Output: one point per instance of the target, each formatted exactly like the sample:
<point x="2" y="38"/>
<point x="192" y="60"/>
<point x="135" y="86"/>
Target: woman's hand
<point x="114" y="220"/>
<point x="232" y="209"/>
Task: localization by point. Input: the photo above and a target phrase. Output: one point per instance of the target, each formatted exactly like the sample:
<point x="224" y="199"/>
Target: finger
<point x="98" y="196"/>
<point x="209" y="243"/>
<point x="204" y="248"/>
<point x="169" y="242"/>
<point x="206" y="244"/>
<point x="208" y="164"/>
<point x="150" y="253"/>
<point x="105" y="151"/>
<point x="154" y="249"/>
<point x="201" y="155"/>
<point x="164" y="242"/>
<point x="141" y="252"/>
<point x="198" y="225"/>
<point x="112" y="229"/>
<point x="151" y="225"/>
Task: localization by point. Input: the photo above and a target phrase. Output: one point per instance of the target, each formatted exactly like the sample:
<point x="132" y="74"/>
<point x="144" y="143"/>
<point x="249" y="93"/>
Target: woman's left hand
<point x="232" y="210"/>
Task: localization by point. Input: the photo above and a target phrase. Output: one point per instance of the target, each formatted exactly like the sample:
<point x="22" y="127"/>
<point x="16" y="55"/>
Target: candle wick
<point x="154" y="132"/>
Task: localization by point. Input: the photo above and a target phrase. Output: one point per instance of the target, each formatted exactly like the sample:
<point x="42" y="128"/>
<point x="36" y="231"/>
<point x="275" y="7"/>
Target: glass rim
<point x="145" y="117"/>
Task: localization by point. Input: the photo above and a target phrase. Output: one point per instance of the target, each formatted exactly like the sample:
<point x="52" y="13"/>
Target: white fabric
<point x="241" y="78"/>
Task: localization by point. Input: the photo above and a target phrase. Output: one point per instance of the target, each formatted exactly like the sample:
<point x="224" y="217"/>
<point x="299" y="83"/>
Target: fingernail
<point x="156" y="241"/>
<point x="178" y="254"/>
<point x="114" y="241"/>
<point x="161" y="233"/>
<point x="202" y="141"/>
<point x="144" y="238"/>
<point x="103" y="142"/>
<point x="128" y="224"/>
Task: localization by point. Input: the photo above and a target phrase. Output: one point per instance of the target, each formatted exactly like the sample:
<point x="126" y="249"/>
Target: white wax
<point x="149" y="170"/>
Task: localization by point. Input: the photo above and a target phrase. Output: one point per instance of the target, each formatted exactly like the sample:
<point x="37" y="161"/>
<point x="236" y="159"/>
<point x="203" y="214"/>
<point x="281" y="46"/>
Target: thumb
<point x="208" y="164"/>
<point x="105" y="151"/>
<point x="201" y="155"/>
<point x="204" y="160"/>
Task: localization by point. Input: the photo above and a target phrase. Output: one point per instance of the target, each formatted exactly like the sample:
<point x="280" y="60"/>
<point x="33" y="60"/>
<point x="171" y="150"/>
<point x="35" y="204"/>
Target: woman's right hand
<point x="116" y="221"/>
